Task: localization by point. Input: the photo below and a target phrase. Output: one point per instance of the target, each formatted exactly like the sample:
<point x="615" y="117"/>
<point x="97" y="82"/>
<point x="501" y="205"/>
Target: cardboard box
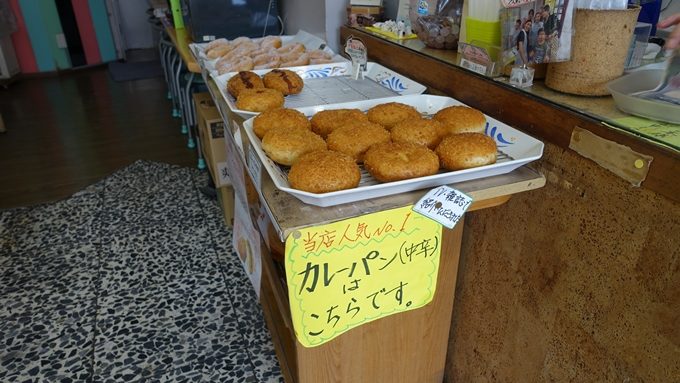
<point x="376" y="3"/>
<point x="364" y="15"/>
<point x="211" y="133"/>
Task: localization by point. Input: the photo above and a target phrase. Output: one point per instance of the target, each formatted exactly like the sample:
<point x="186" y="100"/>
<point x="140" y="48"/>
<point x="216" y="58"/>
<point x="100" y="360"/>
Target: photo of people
<point x="537" y="32"/>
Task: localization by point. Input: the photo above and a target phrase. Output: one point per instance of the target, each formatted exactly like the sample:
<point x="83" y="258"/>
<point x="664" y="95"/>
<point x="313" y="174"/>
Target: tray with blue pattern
<point x="333" y="84"/>
<point x="515" y="149"/>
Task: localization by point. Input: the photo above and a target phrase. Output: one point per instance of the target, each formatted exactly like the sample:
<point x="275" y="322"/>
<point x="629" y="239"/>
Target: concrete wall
<point x="575" y="282"/>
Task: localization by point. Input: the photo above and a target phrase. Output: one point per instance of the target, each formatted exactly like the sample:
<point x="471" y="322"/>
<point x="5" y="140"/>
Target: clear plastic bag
<point x="440" y="28"/>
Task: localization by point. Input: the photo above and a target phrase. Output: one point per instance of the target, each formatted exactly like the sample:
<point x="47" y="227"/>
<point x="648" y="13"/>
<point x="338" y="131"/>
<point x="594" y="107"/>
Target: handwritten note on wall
<point x="348" y="273"/>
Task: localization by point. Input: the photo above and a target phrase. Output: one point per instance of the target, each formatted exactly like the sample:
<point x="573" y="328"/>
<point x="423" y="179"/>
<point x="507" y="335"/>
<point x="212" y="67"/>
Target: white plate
<point x="514" y="150"/>
<point x="331" y="84"/>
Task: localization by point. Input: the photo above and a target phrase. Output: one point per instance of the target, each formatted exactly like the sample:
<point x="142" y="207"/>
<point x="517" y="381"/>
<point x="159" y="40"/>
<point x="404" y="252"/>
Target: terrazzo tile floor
<point x="131" y="280"/>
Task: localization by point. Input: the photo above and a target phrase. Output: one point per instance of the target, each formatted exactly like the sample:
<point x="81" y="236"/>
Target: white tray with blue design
<point x="332" y="84"/>
<point x="310" y="42"/>
<point x="514" y="150"/>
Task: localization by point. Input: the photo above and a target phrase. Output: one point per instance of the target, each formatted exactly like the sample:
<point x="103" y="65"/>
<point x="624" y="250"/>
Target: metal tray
<point x="331" y="84"/>
<point x="622" y="88"/>
<point x="514" y="150"/>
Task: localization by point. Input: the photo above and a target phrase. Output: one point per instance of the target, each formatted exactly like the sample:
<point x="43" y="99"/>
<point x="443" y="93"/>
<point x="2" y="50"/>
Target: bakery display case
<point x="354" y="355"/>
<point x="562" y="269"/>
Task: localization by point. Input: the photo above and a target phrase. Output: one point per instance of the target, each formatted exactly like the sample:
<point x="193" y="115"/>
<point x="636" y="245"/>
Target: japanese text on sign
<point x="347" y="273"/>
<point x="444" y="205"/>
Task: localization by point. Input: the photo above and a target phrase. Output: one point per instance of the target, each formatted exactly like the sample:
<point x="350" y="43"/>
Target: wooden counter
<point x="409" y="347"/>
<point x="289" y="214"/>
<point x="574" y="282"/>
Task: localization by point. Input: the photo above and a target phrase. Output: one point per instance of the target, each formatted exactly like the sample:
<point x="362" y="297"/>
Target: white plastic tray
<point x="331" y="84"/>
<point x="310" y="42"/>
<point x="514" y="150"/>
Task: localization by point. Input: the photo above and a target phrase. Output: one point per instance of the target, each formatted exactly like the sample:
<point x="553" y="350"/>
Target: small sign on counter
<point x="444" y="204"/>
<point x="358" y="53"/>
<point x="344" y="274"/>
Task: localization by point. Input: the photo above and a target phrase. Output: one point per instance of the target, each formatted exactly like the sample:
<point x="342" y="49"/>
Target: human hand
<point x="673" y="41"/>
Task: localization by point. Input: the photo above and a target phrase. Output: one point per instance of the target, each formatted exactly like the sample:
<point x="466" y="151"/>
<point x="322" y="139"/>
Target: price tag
<point x="358" y="53"/>
<point x="477" y="68"/>
<point x="444" y="205"/>
<point x="223" y="174"/>
<point x="254" y="166"/>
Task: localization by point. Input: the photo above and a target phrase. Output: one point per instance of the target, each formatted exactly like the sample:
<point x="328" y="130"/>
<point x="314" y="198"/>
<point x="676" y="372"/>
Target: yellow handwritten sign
<point x="347" y="273"/>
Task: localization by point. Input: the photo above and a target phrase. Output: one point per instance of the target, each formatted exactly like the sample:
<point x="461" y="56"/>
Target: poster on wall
<point x="536" y="32"/>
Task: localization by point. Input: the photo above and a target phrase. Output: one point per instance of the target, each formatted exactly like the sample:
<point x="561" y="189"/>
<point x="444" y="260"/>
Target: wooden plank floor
<point x="67" y="132"/>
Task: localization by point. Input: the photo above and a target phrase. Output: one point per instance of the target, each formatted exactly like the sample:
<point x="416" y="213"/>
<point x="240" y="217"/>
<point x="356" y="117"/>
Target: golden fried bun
<point x="466" y="150"/>
<point x="420" y="131"/>
<point x="279" y="118"/>
<point x="324" y="171"/>
<point x="326" y="121"/>
<point x="391" y="113"/>
<point x="461" y="119"/>
<point x="396" y="161"/>
<point x="284" y="146"/>
<point x="259" y="99"/>
<point x="355" y="139"/>
<point x="284" y="80"/>
<point x="243" y="80"/>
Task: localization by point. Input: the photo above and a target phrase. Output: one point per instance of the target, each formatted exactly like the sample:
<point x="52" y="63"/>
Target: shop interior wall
<point x="336" y="15"/>
<point x="305" y="15"/>
<point x="578" y="281"/>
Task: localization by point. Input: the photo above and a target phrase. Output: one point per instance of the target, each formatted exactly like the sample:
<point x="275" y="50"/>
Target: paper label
<point x="222" y="174"/>
<point x="355" y="271"/>
<point x="423" y="8"/>
<point x="254" y="166"/>
<point x="444" y="205"/>
<point x="235" y="167"/>
<point x="477" y="68"/>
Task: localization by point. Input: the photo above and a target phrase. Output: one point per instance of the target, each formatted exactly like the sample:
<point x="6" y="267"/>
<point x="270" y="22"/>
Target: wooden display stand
<point x="406" y="347"/>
